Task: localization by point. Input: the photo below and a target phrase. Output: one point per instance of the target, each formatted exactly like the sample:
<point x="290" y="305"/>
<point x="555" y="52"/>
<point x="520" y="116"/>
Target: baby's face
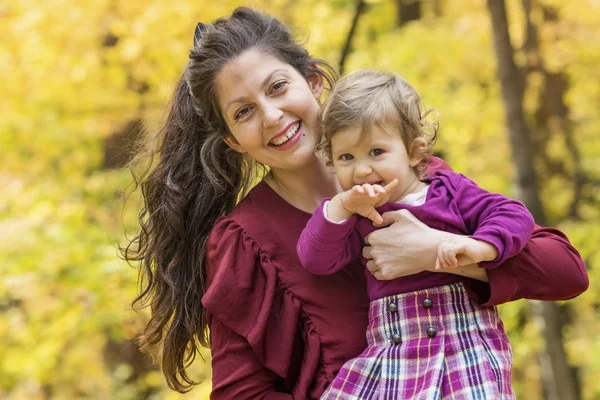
<point x="376" y="157"/>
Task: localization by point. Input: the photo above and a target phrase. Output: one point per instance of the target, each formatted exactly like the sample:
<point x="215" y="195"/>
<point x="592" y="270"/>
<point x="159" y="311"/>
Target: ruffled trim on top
<point x="244" y="293"/>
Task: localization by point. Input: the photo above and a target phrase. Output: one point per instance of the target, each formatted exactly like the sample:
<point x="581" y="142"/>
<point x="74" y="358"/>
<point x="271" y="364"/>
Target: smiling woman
<point x="248" y="98"/>
<point x="269" y="108"/>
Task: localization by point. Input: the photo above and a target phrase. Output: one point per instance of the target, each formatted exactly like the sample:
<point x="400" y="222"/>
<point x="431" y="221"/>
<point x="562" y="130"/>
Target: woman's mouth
<point x="285" y="138"/>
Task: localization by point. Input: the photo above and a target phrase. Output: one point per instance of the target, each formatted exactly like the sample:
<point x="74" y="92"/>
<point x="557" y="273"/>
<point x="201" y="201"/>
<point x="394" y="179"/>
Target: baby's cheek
<point x="346" y="181"/>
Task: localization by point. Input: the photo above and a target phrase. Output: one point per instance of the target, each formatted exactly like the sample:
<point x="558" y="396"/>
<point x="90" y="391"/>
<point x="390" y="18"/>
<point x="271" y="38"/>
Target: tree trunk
<point x="559" y="381"/>
<point x="512" y="93"/>
<point x="360" y="8"/>
<point x="437" y="8"/>
<point x="119" y="148"/>
<point x="408" y="10"/>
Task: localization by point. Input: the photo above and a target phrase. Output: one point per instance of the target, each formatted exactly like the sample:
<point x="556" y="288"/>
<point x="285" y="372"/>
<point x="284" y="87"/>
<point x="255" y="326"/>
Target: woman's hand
<point x="406" y="247"/>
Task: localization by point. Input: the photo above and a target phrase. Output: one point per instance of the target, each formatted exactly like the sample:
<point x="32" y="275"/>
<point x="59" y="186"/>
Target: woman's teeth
<point x="284" y="138"/>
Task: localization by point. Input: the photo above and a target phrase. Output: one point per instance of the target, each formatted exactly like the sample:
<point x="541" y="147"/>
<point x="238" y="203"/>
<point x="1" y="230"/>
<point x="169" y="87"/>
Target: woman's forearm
<point x="472" y="271"/>
<point x="408" y="247"/>
<point x="549" y="268"/>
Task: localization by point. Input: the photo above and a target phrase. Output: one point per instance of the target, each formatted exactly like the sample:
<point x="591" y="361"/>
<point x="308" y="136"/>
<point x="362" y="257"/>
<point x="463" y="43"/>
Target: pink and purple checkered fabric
<point x="432" y="344"/>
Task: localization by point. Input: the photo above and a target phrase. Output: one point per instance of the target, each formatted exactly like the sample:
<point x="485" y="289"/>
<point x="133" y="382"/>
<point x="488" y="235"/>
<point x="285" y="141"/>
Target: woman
<point x="249" y="98"/>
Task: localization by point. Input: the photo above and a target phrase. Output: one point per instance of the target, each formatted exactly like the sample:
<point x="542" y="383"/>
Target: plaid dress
<point x="431" y="344"/>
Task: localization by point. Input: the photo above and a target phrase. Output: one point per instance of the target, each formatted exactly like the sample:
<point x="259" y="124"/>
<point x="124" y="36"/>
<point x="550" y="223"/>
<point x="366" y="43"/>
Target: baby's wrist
<point x="487" y="251"/>
<point x="336" y="211"/>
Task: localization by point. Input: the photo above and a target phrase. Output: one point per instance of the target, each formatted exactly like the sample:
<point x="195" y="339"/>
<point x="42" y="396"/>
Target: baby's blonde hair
<point x="370" y="97"/>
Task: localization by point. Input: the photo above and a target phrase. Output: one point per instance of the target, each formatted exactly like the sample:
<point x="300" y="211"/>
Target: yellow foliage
<point x="73" y="74"/>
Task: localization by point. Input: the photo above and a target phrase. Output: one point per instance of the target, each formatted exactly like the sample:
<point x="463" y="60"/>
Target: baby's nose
<point x="363" y="169"/>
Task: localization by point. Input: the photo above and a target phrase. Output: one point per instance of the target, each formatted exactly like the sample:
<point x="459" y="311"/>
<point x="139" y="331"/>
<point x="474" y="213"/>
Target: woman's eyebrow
<point x="268" y="78"/>
<point x="262" y="85"/>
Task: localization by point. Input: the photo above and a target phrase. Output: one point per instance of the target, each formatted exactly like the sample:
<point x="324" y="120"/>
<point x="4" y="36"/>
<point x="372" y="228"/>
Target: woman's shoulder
<point x="257" y="208"/>
<point x="264" y="217"/>
<point x="229" y="246"/>
<point x="237" y="271"/>
<point x="240" y="241"/>
<point x="243" y="220"/>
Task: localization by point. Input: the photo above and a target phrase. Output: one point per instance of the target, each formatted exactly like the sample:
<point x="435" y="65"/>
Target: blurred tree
<point x="360" y="8"/>
<point x="408" y="10"/>
<point x="79" y="75"/>
<point x="560" y="380"/>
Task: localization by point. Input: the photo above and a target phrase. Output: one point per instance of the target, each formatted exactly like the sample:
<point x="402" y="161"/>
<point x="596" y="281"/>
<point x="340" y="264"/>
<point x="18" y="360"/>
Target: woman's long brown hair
<point x="193" y="178"/>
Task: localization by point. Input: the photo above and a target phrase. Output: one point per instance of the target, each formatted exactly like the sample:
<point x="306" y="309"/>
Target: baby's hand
<point x="362" y="199"/>
<point x="463" y="251"/>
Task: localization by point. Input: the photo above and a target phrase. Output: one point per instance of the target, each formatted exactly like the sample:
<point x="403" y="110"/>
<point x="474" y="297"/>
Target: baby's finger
<point x="375" y="217"/>
<point x="438" y="259"/>
<point x="369" y="190"/>
<point x="443" y="264"/>
<point x="450" y="257"/>
<point x="452" y="261"/>
<point x="379" y="189"/>
<point x="391" y="185"/>
<point x="358" y="189"/>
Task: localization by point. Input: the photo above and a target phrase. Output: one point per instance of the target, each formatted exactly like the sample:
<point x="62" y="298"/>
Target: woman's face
<point x="270" y="109"/>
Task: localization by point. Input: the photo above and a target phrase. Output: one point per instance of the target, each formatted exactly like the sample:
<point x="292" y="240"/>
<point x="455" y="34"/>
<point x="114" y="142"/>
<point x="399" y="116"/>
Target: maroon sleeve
<point x="437" y="164"/>
<point x="237" y="373"/>
<point x="253" y="320"/>
<point x="549" y="268"/>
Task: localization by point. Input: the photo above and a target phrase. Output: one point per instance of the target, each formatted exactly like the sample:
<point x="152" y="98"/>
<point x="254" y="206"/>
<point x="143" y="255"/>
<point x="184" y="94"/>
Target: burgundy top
<point x="280" y="332"/>
<point x="453" y="204"/>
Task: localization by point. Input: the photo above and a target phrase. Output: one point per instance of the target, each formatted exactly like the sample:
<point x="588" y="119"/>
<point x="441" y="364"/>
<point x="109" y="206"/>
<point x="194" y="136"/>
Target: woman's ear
<point x="233" y="144"/>
<point x="418" y="148"/>
<point x="316" y="84"/>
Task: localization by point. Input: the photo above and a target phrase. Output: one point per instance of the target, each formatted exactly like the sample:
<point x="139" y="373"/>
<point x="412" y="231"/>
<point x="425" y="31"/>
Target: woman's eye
<point x="376" y="152"/>
<point x="279" y="85"/>
<point x="241" y="113"/>
<point x="346" y="157"/>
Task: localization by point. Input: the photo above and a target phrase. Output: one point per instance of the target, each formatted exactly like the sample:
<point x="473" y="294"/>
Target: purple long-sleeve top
<point x="453" y="204"/>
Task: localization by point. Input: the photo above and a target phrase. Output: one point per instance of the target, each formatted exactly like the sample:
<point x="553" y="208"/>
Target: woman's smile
<point x="289" y="137"/>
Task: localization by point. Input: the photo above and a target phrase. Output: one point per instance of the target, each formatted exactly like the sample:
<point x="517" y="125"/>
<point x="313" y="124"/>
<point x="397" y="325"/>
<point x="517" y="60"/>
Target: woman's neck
<point x="304" y="188"/>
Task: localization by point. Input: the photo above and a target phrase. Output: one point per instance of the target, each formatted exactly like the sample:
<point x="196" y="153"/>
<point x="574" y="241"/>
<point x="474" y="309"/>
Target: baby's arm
<point x="501" y="227"/>
<point x="325" y="247"/>
<point x="329" y="241"/>
<point x="361" y="200"/>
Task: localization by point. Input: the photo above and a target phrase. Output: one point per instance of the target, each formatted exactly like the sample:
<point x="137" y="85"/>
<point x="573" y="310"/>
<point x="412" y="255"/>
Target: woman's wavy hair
<point x="378" y="98"/>
<point x="193" y="178"/>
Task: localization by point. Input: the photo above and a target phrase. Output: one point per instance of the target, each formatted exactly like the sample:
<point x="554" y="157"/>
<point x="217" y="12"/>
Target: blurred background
<point x="82" y="80"/>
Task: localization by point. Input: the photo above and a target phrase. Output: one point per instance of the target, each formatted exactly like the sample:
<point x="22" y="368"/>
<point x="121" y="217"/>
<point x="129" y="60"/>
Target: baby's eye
<point x="346" y="157"/>
<point x="376" y="152"/>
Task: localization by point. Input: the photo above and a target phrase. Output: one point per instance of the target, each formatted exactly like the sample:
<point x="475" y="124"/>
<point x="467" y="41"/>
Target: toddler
<point x="427" y="339"/>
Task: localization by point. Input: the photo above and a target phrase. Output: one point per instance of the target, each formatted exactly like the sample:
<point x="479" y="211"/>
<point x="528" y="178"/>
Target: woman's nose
<point x="271" y="115"/>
